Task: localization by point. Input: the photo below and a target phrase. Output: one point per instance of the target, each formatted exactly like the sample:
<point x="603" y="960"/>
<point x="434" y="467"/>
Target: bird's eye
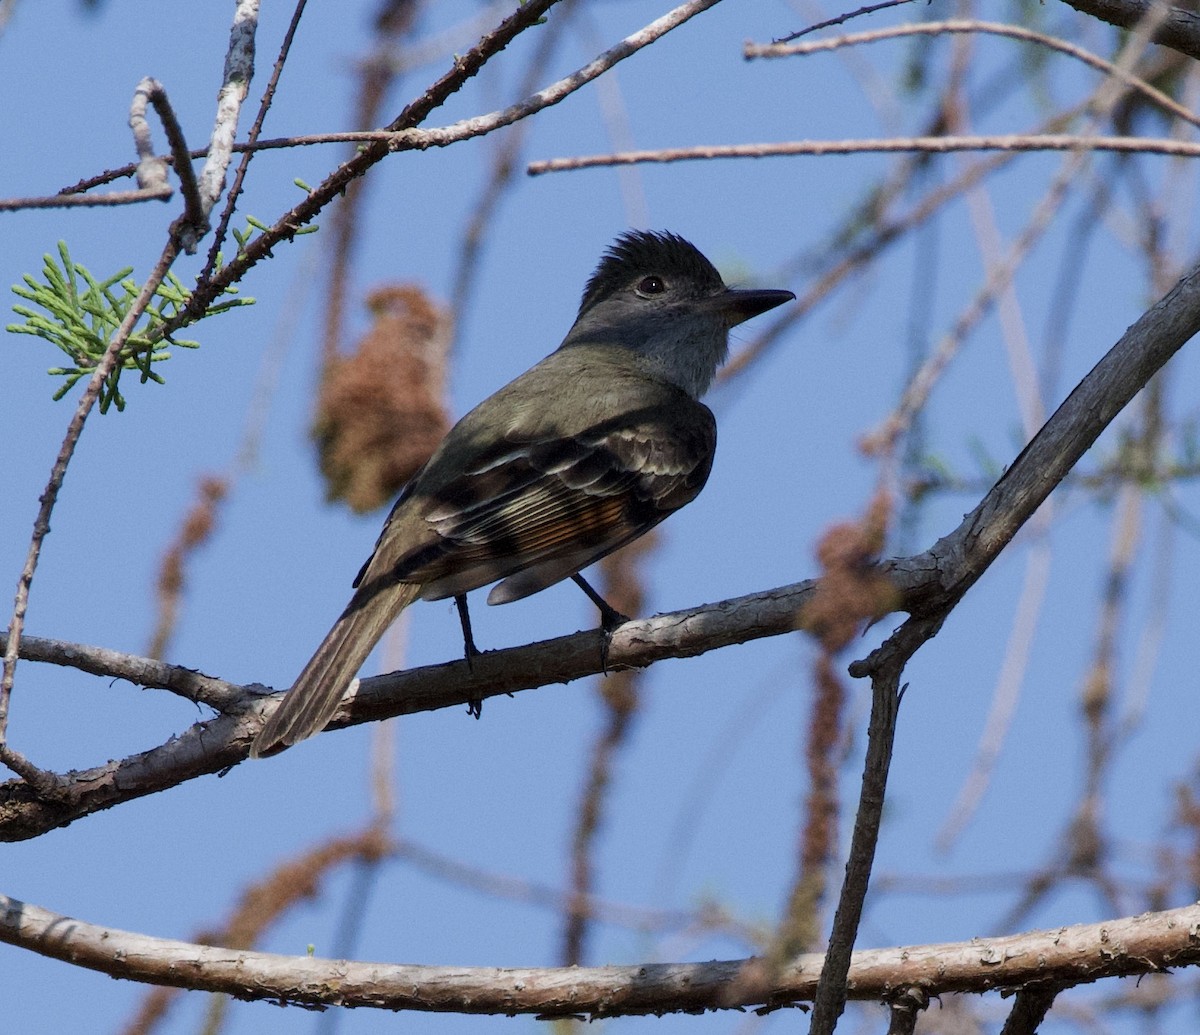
<point x="651" y="286"/>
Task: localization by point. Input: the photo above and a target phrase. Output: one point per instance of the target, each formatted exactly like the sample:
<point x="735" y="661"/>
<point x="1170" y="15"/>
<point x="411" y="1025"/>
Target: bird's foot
<point x="610" y="619"/>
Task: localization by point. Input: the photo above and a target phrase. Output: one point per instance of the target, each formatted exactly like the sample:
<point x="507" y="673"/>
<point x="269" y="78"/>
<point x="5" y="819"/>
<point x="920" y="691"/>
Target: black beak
<point x="742" y="305"/>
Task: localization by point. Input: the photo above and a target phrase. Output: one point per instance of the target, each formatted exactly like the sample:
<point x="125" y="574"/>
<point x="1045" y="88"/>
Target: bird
<point x="586" y="451"/>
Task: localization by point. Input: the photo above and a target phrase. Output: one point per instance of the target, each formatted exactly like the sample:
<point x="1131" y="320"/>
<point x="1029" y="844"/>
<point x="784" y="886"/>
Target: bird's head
<point x="657" y="295"/>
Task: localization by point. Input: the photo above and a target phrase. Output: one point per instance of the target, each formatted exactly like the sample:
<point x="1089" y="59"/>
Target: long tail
<point x="319" y="689"/>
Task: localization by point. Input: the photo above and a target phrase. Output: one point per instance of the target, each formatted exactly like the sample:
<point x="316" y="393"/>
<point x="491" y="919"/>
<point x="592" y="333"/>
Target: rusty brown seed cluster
<point x="381" y="409"/>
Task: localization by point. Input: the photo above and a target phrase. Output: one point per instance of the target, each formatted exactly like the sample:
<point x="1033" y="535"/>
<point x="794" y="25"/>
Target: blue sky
<point x="501" y="794"/>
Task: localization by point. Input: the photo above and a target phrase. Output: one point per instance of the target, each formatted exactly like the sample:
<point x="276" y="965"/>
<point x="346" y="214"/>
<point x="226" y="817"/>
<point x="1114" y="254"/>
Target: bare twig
<point x="184" y="233"/>
<point x="886" y="145"/>
<point x="151" y="171"/>
<point x="1005" y="694"/>
<point x="842" y="19"/>
<point x="146" y="672"/>
<point x="239" y="70"/>
<point x="445" y="868"/>
<point x="904" y="1009"/>
<point x="886" y="667"/>
<point x="965" y="25"/>
<point x="248" y="151"/>
<point x="1000" y="272"/>
<point x="162" y="192"/>
<point x="888" y="232"/>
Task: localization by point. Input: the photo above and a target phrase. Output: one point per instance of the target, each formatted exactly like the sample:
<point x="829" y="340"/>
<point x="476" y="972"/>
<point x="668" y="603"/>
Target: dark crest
<point x="640" y="253"/>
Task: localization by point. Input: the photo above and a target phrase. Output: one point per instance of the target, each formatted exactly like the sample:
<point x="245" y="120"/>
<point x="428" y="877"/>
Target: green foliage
<point x="79" y="315"/>
<point x="244" y="237"/>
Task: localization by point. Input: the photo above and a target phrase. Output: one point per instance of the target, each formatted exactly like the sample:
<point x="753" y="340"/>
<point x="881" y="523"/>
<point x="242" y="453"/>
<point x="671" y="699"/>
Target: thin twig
<point x="110" y="664"/>
<point x="842" y="19"/>
<point x="238" y="68"/>
<point x="904" y="1009"/>
<point x="886" y="145"/>
<point x="235" y="83"/>
<point x="162" y="192"/>
<point x="150" y="170"/>
<point x="376" y="80"/>
<point x="402" y="135"/>
<point x="442" y="43"/>
<point x="888" y="232"/>
<point x="1006" y="692"/>
<point x="249" y="150"/>
<point x="644" y="920"/>
<point x="886" y="692"/>
<point x="965" y="25"/>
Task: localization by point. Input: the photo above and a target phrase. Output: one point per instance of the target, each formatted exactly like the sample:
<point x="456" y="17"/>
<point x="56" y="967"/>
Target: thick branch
<point x="1180" y="31"/>
<point x="1067" y="956"/>
<point x="209" y="747"/>
<point x="963" y="555"/>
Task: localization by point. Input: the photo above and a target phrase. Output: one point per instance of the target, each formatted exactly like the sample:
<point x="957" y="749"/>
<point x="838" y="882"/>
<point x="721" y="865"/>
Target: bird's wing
<point x="548" y="506"/>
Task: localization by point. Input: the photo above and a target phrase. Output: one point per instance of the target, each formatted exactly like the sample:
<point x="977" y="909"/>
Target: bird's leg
<point x="475" y="704"/>
<point x="470" y="651"/>
<point x="610" y="617"/>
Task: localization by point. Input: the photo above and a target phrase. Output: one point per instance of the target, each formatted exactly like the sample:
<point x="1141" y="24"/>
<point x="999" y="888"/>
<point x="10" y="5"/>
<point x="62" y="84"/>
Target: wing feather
<point x="572" y="499"/>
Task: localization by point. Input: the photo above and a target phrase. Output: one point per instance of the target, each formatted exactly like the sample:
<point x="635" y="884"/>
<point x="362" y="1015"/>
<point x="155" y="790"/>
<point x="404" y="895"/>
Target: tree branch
<point x="886" y="692"/>
<point x="1144" y="944"/>
<point x="209" y="747"/>
<point x="1180" y="31"/>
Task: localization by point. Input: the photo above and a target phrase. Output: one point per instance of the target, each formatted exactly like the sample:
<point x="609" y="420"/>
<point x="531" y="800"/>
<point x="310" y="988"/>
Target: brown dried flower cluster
<point x="381" y="410"/>
<point x="852" y="590"/>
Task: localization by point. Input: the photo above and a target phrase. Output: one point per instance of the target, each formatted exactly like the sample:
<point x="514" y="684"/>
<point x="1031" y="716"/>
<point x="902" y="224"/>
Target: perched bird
<point x="584" y="452"/>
